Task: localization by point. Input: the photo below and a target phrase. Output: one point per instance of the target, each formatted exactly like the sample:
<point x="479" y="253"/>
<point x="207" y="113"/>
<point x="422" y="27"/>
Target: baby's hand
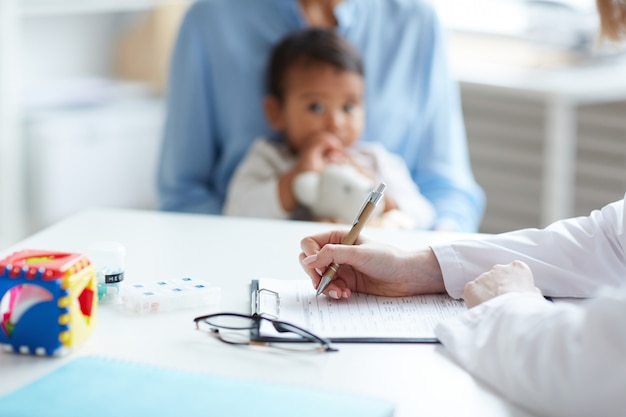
<point x="319" y="150"/>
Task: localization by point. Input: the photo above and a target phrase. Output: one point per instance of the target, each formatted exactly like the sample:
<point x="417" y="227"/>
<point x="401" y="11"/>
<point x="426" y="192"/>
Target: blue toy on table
<point x="48" y="301"/>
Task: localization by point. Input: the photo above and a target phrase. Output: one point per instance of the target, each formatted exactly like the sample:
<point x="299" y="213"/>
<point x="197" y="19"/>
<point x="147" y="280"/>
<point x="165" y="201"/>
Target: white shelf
<point x="43" y="8"/>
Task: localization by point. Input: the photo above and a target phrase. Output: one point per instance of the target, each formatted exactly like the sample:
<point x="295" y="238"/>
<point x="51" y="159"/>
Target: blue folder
<point x="98" y="387"/>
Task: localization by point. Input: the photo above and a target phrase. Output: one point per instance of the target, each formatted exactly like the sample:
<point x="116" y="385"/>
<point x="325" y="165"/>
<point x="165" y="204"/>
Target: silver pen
<point x="359" y="221"/>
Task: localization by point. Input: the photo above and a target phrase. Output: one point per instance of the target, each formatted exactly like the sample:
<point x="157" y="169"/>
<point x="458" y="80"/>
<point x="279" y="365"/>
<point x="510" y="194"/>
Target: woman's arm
<point x="188" y="152"/>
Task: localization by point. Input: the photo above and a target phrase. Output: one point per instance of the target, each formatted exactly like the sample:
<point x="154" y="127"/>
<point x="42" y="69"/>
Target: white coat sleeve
<point x="569" y="258"/>
<point x="553" y="359"/>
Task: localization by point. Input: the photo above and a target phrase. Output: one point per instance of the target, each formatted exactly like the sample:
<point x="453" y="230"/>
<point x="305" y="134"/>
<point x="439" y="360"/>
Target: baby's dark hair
<point x="310" y="46"/>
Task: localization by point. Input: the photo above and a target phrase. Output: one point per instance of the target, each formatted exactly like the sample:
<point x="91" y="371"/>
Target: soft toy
<point x="335" y="194"/>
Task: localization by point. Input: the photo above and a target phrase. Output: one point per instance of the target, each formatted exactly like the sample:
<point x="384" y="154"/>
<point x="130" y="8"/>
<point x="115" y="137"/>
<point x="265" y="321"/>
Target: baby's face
<point x="319" y="98"/>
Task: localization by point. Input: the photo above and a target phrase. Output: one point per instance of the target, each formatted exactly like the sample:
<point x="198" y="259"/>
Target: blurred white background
<point x="81" y="106"/>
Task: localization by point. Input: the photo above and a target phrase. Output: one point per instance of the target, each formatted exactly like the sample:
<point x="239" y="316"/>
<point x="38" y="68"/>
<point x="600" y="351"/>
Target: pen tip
<point x="323" y="284"/>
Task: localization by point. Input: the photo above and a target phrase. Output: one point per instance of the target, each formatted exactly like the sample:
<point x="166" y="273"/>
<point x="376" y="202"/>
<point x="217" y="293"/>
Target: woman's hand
<point x="370" y="267"/>
<point x="501" y="279"/>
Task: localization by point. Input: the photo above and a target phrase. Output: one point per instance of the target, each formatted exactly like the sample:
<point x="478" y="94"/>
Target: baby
<point x="315" y="104"/>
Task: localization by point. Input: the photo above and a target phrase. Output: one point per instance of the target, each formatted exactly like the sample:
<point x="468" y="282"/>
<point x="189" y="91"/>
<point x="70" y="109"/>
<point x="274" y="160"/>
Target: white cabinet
<point x="102" y="156"/>
<point x="67" y="122"/>
<point x="545" y="144"/>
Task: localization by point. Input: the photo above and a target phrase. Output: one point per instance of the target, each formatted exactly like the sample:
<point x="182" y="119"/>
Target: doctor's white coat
<point x="555" y="359"/>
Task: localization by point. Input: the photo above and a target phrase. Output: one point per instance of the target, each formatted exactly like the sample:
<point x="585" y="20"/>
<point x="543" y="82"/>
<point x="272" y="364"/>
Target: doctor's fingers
<point x="347" y="255"/>
<point x="312" y="245"/>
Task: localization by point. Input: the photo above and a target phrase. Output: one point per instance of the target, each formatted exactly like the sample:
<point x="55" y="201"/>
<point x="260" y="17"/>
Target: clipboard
<point x="363" y="318"/>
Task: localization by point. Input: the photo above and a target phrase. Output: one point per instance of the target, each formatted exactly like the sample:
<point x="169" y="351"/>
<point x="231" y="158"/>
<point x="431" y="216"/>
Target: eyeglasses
<point x="241" y="329"/>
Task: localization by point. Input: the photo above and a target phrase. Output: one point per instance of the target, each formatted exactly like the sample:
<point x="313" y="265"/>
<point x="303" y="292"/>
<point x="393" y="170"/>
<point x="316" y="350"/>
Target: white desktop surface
<point x="228" y="252"/>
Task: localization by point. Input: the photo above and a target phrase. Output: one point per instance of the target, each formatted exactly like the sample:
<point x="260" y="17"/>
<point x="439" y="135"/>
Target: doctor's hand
<point x="370" y="267"/>
<point x="501" y="279"/>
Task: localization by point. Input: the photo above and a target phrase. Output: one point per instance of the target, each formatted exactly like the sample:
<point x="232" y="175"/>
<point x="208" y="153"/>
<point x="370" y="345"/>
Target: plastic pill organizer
<point x="169" y="295"/>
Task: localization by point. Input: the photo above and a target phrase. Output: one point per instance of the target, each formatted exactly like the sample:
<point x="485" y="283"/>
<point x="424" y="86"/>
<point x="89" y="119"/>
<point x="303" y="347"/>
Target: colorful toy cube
<point x="48" y="301"/>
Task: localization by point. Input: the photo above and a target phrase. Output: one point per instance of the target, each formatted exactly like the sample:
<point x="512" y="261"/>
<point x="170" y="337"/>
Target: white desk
<point x="420" y="379"/>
